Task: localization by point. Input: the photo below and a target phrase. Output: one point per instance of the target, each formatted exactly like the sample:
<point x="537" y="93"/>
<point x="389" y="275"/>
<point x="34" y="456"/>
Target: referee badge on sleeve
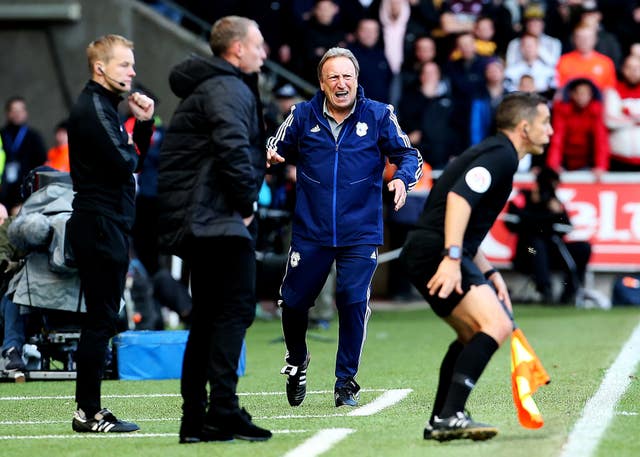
<point x="478" y="179"/>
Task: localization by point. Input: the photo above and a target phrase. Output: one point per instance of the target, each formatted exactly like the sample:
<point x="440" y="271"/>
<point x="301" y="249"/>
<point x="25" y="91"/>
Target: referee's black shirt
<point x="101" y="158"/>
<point x="483" y="176"/>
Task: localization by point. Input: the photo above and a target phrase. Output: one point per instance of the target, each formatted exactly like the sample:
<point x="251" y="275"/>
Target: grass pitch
<point x="403" y="351"/>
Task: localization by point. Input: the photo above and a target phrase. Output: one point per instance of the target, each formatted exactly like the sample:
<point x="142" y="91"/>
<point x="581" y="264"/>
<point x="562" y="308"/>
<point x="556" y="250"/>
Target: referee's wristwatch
<point x="454" y="252"/>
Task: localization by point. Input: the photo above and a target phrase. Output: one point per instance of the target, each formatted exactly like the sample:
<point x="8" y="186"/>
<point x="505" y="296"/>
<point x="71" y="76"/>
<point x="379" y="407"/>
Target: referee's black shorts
<point x="421" y="256"/>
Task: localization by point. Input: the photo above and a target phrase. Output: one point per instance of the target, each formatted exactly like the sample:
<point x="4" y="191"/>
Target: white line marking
<point x="320" y="442"/>
<point x="389" y="398"/>
<point x="88" y="435"/>
<point x="176" y="419"/>
<point x="71" y="397"/>
<point x="300" y="416"/>
<point x="598" y="412"/>
<point x="134" y="419"/>
<point x="112" y="435"/>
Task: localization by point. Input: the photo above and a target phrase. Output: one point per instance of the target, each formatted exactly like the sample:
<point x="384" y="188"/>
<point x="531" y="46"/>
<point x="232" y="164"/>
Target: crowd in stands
<point x="445" y="64"/>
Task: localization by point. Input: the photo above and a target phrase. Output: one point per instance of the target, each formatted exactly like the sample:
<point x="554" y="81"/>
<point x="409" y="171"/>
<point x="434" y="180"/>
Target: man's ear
<point x="236" y="48"/>
<point x="524" y="126"/>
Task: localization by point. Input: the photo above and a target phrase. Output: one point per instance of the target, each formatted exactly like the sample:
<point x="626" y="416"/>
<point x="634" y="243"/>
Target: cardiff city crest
<point x="295" y="259"/>
<point x="361" y="129"/>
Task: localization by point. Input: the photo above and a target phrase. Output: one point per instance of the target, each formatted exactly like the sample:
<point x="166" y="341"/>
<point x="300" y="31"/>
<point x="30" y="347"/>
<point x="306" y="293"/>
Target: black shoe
<point x="296" y="381"/>
<point x="461" y="426"/>
<point x="225" y="427"/>
<point x="428" y="431"/>
<point x="15" y="362"/>
<point x="103" y="422"/>
<point x="191" y="438"/>
<point x="190" y="430"/>
<point x="347" y="395"/>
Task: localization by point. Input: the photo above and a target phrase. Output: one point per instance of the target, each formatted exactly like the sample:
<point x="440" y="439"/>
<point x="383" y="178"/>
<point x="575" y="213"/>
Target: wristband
<point x="489" y="273"/>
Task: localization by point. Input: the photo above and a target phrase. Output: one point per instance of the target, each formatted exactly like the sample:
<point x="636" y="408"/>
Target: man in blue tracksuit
<point x="339" y="141"/>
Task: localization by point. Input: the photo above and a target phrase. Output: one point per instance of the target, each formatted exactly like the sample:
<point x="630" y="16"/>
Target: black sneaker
<point x="461" y="426"/>
<point x="14" y="361"/>
<point x="347" y="395"/>
<point x="103" y="422"/>
<point x="296" y="381"/>
<point x="428" y="431"/>
<point x="225" y="427"/>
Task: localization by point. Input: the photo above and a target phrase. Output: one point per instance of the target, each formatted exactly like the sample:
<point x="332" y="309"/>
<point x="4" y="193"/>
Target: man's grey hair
<point x="338" y="52"/>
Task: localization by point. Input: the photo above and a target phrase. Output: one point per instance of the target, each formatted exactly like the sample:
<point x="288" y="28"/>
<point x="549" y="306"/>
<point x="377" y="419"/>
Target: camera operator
<point x="540" y="220"/>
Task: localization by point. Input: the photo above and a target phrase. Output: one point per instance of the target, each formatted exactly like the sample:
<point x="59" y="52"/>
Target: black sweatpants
<point x="223" y="277"/>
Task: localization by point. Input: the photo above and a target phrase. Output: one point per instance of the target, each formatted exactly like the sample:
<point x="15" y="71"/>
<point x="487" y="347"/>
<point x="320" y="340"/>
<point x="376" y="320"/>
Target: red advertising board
<point x="607" y="213"/>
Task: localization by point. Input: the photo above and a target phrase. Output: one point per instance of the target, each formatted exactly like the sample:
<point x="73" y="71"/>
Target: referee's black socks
<point x="446" y="373"/>
<point x="467" y="370"/>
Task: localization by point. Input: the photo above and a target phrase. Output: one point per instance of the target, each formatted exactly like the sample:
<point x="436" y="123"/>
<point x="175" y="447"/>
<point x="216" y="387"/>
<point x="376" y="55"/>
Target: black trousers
<point x="223" y="277"/>
<point x="541" y="255"/>
<point x="100" y="247"/>
<point x="145" y="233"/>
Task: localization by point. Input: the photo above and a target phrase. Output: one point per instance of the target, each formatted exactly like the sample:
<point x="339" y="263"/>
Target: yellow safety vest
<point x="3" y="159"/>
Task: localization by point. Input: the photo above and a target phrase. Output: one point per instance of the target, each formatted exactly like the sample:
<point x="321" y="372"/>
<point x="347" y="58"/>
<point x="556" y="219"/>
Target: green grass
<point x="403" y="350"/>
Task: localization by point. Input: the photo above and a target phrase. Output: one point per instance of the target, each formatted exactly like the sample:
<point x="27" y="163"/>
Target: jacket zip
<point x="334" y="191"/>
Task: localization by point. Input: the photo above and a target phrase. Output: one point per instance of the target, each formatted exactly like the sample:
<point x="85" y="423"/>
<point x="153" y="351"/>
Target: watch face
<point x="454" y="252"/>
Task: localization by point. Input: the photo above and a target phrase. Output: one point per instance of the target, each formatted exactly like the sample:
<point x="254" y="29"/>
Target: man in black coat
<point x="103" y="158"/>
<point x="211" y="168"/>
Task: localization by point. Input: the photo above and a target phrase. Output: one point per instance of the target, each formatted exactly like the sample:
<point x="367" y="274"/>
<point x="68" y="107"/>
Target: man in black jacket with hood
<point x="103" y="159"/>
<point x="211" y="168"/>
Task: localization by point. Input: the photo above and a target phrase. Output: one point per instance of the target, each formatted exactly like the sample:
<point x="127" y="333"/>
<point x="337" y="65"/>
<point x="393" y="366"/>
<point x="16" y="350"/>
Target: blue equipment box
<point x="155" y="354"/>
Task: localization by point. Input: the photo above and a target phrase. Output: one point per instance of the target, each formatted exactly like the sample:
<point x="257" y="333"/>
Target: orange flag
<point x="527" y="374"/>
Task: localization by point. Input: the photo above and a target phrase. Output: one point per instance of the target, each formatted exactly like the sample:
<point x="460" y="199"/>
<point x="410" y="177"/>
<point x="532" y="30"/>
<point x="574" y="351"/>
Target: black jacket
<point x="24" y="151"/>
<point x="102" y="162"/>
<point x="212" y="161"/>
<point x="432" y="116"/>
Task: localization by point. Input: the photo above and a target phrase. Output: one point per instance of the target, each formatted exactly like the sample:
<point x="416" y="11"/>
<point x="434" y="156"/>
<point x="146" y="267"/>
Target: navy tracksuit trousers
<point x="307" y="269"/>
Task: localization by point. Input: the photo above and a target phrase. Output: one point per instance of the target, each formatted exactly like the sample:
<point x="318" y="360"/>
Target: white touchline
<point x="174" y="419"/>
<point x="111" y="435"/>
<point x="599" y="410"/>
<point x="87" y="436"/>
<point x="70" y="397"/>
<point x="390" y="397"/>
<point x="320" y="442"/>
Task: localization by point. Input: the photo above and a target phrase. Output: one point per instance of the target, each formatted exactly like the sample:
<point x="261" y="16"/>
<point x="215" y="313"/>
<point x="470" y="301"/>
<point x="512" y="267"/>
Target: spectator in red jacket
<point x="622" y="116"/>
<point x="580" y="140"/>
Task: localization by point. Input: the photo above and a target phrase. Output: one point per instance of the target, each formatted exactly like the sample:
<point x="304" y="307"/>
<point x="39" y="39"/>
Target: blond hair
<point x="102" y="48"/>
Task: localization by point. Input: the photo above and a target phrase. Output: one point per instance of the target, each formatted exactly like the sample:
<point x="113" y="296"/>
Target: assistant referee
<point x="445" y="264"/>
